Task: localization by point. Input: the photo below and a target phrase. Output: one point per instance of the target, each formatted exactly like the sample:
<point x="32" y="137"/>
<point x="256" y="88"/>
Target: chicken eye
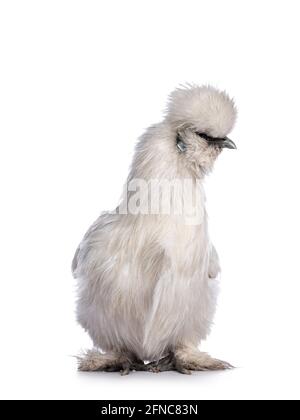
<point x="204" y="136"/>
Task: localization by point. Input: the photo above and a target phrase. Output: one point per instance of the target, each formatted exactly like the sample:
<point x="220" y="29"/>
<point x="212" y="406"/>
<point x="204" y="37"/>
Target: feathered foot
<point x="188" y="359"/>
<point x="93" y="360"/>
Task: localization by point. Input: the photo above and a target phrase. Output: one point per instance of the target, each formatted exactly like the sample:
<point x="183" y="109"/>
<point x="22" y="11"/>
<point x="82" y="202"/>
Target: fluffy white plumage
<point x="203" y="108"/>
<point x="147" y="283"/>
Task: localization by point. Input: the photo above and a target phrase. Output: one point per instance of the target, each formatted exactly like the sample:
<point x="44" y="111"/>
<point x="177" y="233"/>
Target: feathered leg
<point x="93" y="360"/>
<point x="188" y="359"/>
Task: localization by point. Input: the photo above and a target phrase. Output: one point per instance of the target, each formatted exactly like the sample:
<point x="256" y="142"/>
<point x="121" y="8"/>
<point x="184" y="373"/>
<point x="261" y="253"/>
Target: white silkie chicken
<point x="147" y="280"/>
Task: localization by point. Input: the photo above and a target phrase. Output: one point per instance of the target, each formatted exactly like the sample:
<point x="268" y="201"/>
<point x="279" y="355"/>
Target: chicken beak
<point x="227" y="143"/>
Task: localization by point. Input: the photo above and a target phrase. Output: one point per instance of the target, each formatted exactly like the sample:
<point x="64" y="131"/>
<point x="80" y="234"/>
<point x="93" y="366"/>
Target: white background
<point x="79" y="82"/>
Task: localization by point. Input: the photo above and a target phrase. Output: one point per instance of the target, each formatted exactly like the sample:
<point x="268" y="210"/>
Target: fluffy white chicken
<point x="148" y="280"/>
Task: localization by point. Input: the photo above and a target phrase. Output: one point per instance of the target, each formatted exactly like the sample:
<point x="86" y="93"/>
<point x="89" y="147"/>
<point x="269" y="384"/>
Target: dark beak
<point x="229" y="144"/>
<point x="223" y="143"/>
